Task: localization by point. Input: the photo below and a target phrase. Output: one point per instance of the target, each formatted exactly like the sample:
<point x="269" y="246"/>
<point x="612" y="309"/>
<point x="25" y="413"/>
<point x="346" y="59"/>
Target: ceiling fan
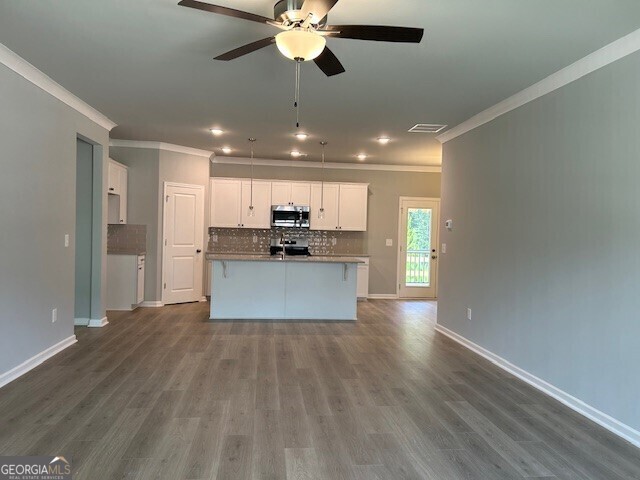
<point x="304" y="25"/>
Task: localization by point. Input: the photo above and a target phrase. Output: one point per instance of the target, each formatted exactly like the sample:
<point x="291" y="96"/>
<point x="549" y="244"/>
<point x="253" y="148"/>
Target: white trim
<point x="382" y="296"/>
<point x="203" y="299"/>
<point x="81" y="322"/>
<point x="98" y="322"/>
<point x="19" y="65"/>
<point x="272" y="163"/>
<point x="151" y="304"/>
<point x="596" y="60"/>
<point x="36" y="360"/>
<point x="602" y="419"/>
<point x="167" y="147"/>
<point x="332" y="165"/>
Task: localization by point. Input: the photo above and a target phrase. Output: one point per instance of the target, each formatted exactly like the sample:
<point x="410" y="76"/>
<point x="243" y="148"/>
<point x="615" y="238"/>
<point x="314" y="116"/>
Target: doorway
<point x="418" y="247"/>
<point x="183" y="232"/>
<point x="87" y="241"/>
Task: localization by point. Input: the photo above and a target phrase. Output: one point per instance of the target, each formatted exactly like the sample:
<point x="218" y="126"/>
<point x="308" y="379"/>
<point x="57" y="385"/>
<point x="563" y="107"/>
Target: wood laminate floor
<point x="164" y="393"/>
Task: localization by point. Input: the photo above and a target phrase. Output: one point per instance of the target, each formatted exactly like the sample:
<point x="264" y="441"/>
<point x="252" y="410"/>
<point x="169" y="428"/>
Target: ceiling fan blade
<point x="245" y="49"/>
<point x="230" y="12"/>
<point x="329" y="63"/>
<point x="319" y="8"/>
<point x="377" y="33"/>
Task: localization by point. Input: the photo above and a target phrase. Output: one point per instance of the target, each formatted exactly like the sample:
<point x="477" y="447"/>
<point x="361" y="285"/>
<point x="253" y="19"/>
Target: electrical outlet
<point x="444" y="248"/>
<point x="54" y="315"/>
<point x="255" y="239"/>
<point x="389" y="242"/>
<point x="334" y="241"/>
<point x="214" y="238"/>
<point x="66" y="240"/>
<point x="468" y="314"/>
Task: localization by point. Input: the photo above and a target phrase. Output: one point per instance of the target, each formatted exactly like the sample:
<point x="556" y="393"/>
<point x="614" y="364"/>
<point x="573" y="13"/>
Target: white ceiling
<point x="147" y="65"/>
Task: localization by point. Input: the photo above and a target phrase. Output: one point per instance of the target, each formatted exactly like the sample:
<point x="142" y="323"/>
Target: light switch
<point x="449" y="225"/>
<point x="444" y="248"/>
<point x="66" y="240"/>
<point x="389" y="242"/>
<point x="255" y="239"/>
<point x="214" y="238"/>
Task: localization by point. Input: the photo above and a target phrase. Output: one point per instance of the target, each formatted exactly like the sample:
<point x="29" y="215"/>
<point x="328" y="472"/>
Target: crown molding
<point x="169" y="147"/>
<point x="333" y="165"/>
<point x="592" y="62"/>
<point x="19" y="65"/>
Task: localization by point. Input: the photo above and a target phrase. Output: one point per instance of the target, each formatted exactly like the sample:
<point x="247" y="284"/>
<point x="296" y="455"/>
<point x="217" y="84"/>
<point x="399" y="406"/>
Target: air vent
<point x="427" y="128"/>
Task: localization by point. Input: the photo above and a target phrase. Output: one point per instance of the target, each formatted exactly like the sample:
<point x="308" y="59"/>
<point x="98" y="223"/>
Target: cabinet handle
<point x="224" y="269"/>
<point x="345" y="271"/>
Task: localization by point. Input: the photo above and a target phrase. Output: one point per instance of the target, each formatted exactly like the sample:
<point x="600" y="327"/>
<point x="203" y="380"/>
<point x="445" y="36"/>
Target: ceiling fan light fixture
<point x="300" y="44"/>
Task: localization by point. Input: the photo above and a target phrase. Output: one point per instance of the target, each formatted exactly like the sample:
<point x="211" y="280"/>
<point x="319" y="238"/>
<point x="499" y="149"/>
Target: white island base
<point x="298" y="289"/>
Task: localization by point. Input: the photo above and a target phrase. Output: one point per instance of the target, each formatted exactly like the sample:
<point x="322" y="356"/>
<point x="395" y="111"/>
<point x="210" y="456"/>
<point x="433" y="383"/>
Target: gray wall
<point x="37" y="208"/>
<point x="84" y="208"/>
<point x="385" y="190"/>
<point x="148" y="170"/>
<point x="545" y="246"/>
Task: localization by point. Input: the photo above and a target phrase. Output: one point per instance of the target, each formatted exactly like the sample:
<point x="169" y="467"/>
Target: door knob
<point x="198" y="251"/>
<point x="434" y="257"/>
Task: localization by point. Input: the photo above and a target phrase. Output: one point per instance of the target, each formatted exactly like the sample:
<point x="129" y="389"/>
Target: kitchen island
<point x="283" y="288"/>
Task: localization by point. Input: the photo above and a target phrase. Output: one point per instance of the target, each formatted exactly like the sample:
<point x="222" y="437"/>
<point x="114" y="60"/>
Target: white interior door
<point x="183" y="256"/>
<point x="418" y="248"/>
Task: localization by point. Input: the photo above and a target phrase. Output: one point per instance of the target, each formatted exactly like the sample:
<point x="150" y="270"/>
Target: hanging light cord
<point x="296" y="100"/>
<point x="323" y="143"/>
<point x="251" y="140"/>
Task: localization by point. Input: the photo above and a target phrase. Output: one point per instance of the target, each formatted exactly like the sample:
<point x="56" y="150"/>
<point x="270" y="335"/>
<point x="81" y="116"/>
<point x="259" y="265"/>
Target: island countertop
<point x="240" y="257"/>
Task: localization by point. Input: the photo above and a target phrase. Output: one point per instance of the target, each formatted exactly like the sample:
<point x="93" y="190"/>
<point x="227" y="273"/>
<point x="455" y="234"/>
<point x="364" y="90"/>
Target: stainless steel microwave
<point x="289" y="216"/>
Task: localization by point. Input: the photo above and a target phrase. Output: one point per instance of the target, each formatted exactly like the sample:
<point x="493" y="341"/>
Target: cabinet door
<point x="301" y="194"/>
<point x="352" y="209"/>
<point x="280" y="193"/>
<point x="331" y="195"/>
<point x="261" y="204"/>
<point x="225" y="202"/>
<point x="124" y="178"/>
<point x="113" y="178"/>
<point x="140" y="284"/>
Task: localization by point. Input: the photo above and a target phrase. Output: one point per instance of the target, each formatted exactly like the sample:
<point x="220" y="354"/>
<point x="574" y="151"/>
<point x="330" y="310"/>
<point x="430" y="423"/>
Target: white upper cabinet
<point x="226" y="199"/>
<point x="301" y="194"/>
<point x="117" y="177"/>
<point x="114" y="175"/>
<point x="280" y="193"/>
<point x="345" y="204"/>
<point x="327" y="196"/>
<point x="291" y="193"/>
<point x="261" y="217"/>
<point x="352" y="211"/>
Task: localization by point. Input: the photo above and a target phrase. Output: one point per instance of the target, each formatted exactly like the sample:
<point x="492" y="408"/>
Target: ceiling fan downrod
<point x="296" y="100"/>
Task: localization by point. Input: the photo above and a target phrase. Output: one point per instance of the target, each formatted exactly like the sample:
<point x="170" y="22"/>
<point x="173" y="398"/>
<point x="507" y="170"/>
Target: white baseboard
<point x="615" y="426"/>
<point x="382" y="296"/>
<point x="151" y="304"/>
<point x="81" y="322"/>
<point x="98" y="322"/>
<point x="36" y="360"/>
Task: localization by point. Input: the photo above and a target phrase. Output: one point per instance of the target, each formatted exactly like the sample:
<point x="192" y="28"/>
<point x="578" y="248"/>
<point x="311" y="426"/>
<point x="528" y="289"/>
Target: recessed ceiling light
<point x="301" y="136"/>
<point x="226" y="150"/>
<point x="362" y="156"/>
<point x="216" y="131"/>
<point x="384" y="140"/>
<point x="296" y="154"/>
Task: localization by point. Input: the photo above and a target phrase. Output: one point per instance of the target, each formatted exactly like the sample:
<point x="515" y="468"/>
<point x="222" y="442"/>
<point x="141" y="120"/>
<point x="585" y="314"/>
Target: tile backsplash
<point x="126" y="239"/>
<point x="241" y="240"/>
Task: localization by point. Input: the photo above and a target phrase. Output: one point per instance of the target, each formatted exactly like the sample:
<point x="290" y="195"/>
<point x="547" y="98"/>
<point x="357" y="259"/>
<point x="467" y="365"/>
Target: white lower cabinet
<point x="363" y="278"/>
<point x="125" y="281"/>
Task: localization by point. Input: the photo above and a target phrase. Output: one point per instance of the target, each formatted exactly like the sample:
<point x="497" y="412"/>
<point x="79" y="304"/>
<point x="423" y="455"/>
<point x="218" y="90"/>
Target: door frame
<point x="401" y="241"/>
<point x="164" y="229"/>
